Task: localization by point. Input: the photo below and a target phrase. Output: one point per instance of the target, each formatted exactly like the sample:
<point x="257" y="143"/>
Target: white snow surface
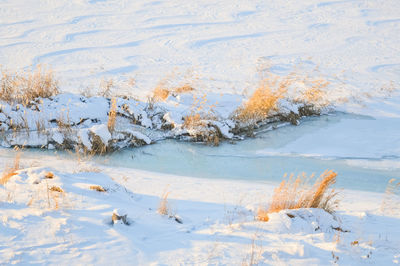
<point x="216" y="217"/>
<point x="218" y="45"/>
<point x="221" y="48"/>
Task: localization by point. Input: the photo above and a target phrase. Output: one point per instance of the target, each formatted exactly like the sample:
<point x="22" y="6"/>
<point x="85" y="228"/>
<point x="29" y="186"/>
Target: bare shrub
<point x="299" y="192"/>
<point x="25" y="87"/>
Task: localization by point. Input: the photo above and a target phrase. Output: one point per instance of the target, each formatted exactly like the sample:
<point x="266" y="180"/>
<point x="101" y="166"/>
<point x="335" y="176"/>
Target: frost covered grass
<point x="24" y="87"/>
<point x="300" y="192"/>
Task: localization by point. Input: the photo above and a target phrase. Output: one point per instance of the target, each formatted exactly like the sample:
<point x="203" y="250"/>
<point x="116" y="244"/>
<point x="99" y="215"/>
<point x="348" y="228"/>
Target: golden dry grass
<point x="56" y="189"/>
<point x="49" y="175"/>
<point x="11" y="171"/>
<point x="161" y="92"/>
<point x="163" y="208"/>
<point x="193" y="120"/>
<point x="294" y="87"/>
<point x="299" y="192"/>
<point x="200" y="129"/>
<point x="97" y="188"/>
<point x="24" y="87"/>
<point x="183" y="89"/>
<point x="263" y="101"/>
<point x="313" y="92"/>
<point x="112" y="115"/>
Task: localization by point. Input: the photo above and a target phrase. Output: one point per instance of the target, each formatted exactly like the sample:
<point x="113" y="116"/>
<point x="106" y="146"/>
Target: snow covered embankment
<point x="58" y="217"/>
<point x="66" y="121"/>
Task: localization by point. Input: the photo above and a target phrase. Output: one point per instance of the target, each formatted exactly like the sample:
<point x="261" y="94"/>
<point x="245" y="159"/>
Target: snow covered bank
<point x="66" y="121"/>
<point x="42" y="225"/>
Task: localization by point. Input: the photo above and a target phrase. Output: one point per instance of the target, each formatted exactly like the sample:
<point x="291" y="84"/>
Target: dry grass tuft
<point x="183" y="89"/>
<point x="49" y="175"/>
<point x="112" y="115"/>
<point x="296" y="193"/>
<point x="11" y="171"/>
<point x="56" y="189"/>
<point x="294" y="87"/>
<point x="97" y="188"/>
<point x="163" y="208"/>
<point x="25" y="87"/>
<point x="106" y="88"/>
<point x="263" y="101"/>
<point x="193" y="120"/>
<point x="199" y="129"/>
<point x="160" y="94"/>
<point x="391" y="198"/>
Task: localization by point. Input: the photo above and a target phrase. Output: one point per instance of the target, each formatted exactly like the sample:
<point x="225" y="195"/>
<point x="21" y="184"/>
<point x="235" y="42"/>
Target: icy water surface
<point x="265" y="158"/>
<point x="365" y="158"/>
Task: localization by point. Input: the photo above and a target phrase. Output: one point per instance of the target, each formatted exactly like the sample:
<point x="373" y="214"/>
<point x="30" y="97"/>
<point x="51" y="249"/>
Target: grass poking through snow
<point x="300" y="192"/>
<point x="11" y="171"/>
<point x="24" y="87"/>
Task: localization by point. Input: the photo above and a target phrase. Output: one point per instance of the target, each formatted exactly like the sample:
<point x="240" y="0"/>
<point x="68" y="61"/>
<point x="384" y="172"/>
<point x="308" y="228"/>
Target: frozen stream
<point x="364" y="151"/>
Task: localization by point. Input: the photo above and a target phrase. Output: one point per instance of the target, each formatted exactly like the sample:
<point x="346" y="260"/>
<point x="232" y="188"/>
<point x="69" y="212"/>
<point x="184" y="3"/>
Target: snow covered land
<point x="170" y="123"/>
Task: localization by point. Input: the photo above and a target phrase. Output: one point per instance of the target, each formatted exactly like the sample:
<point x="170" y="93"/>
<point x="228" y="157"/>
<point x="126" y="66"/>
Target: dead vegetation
<point x="263" y="101"/>
<point x="200" y="129"/>
<point x="255" y="254"/>
<point x="303" y="192"/>
<point x="294" y="88"/>
<point x="174" y="83"/>
<point x="56" y="189"/>
<point x="164" y="208"/>
<point x="124" y="218"/>
<point x="161" y="94"/>
<point x="97" y="188"/>
<point x="391" y="198"/>
<point x="24" y="87"/>
<point x="106" y="88"/>
<point x="199" y="123"/>
<point x="9" y="172"/>
<point x="49" y="175"/>
<point x="112" y="115"/>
